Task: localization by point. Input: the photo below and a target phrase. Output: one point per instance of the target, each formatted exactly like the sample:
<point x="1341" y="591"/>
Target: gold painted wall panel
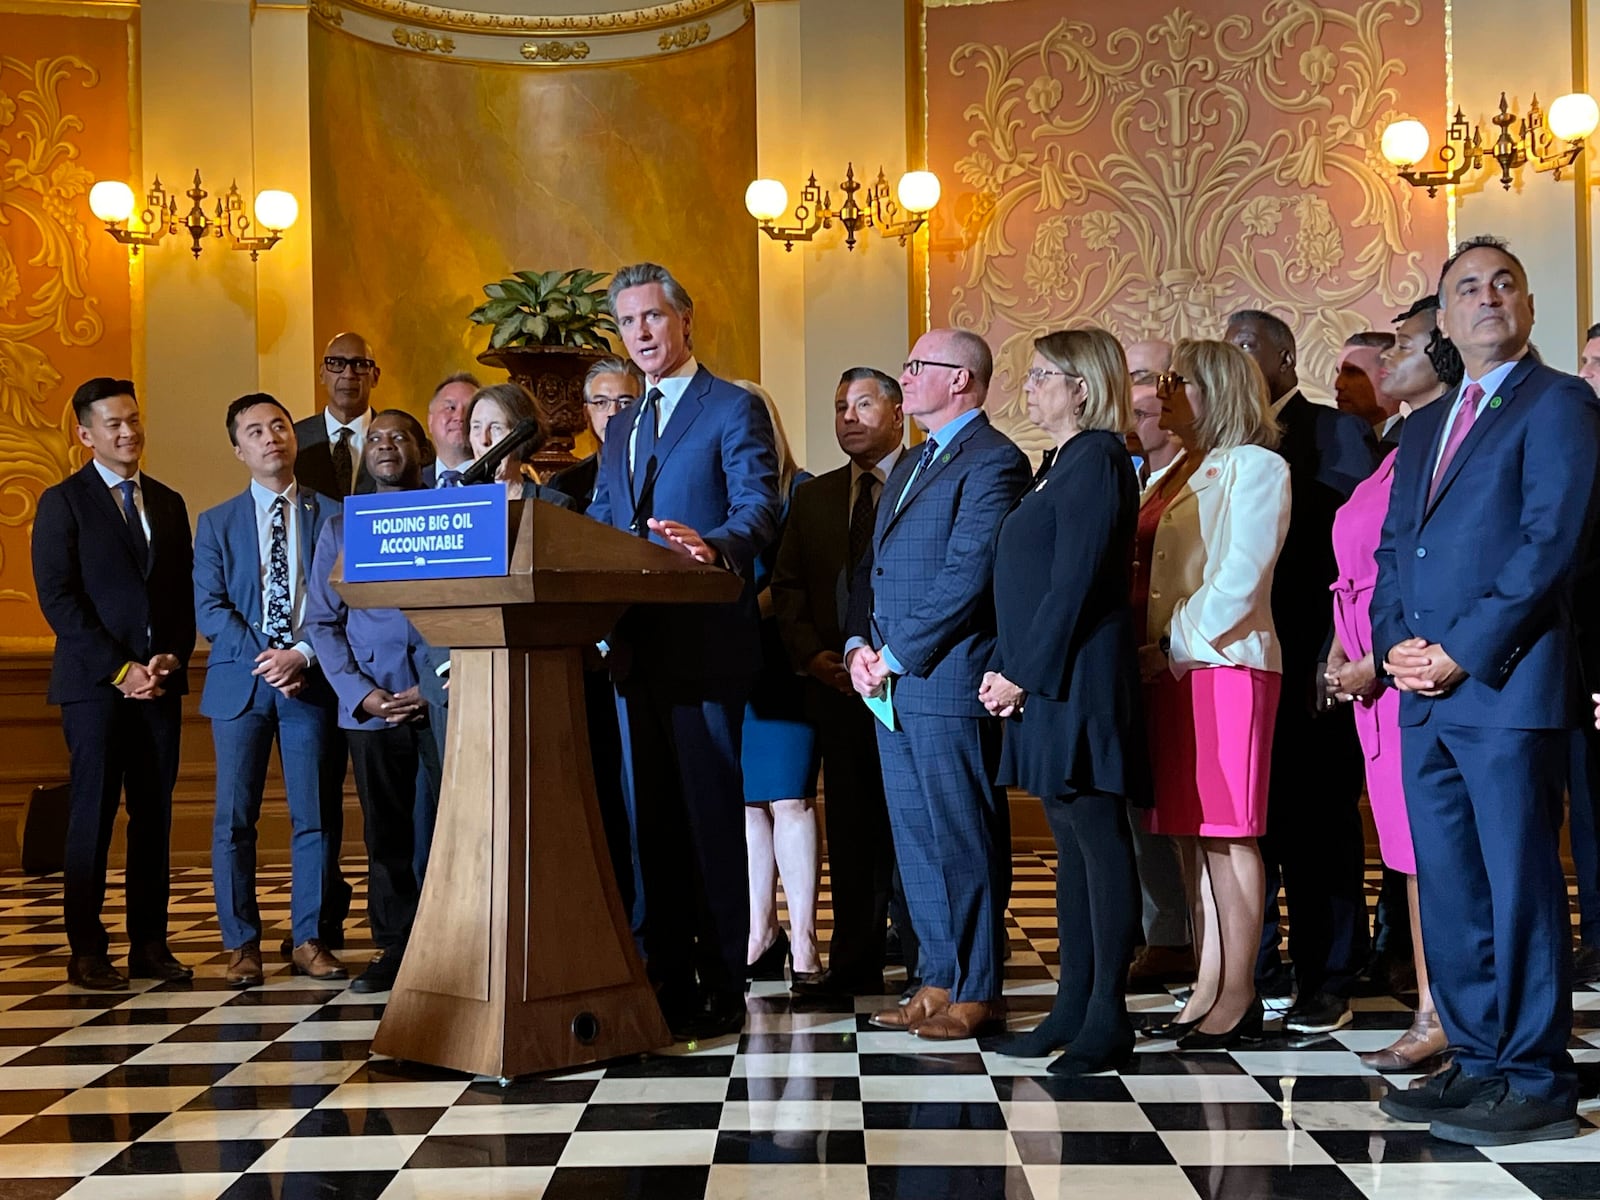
<point x="431" y="178"/>
<point x="1151" y="168"/>
<point x="65" y="298"/>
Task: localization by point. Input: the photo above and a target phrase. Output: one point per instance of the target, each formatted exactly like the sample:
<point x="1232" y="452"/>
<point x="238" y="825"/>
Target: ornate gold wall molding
<point x="504" y="39"/>
<point x="1150" y="169"/>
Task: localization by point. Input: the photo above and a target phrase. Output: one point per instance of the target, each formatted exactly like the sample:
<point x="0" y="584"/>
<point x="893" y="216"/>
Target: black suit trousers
<point x="397" y="774"/>
<point x="119" y="746"/>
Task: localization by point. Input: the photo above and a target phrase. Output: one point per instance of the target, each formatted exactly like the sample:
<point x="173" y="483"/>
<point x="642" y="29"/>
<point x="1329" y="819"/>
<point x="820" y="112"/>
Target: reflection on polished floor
<point x="198" y="1092"/>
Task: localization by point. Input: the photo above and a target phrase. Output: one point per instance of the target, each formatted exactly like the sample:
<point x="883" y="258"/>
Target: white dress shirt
<point x="880" y="471"/>
<point x="264" y="499"/>
<point x="1490" y="383"/>
<point x="358" y="440"/>
<point x="115" y="482"/>
<point x="672" y="388"/>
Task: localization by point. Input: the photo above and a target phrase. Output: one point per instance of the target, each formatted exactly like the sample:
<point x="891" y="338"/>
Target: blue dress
<point x="779" y="755"/>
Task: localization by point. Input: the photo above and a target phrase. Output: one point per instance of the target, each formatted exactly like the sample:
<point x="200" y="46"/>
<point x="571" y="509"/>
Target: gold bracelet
<point x="116" y="680"/>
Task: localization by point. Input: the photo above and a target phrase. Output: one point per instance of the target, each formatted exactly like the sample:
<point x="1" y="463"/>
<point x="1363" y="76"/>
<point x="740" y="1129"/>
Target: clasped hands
<point x="283" y="669"/>
<point x="144" y="681"/>
<point x="1000" y="696"/>
<point x="1420" y="666"/>
<point x="1348" y="681"/>
<point x="395" y="707"/>
<point x="868" y="671"/>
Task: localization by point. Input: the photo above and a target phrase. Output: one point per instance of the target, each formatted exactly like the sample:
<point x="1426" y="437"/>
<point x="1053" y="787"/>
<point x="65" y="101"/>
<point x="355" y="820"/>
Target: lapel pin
<point x="1211" y="472"/>
<point x="943" y="458"/>
<point x="1495" y="403"/>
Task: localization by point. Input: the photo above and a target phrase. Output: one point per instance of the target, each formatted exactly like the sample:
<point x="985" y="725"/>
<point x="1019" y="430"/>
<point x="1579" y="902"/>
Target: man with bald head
<point x="1167" y="955"/>
<point x="921" y="628"/>
<point x="331" y="442"/>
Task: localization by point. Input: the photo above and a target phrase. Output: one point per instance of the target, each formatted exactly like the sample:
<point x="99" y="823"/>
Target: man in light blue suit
<point x="690" y="465"/>
<point x="922" y="621"/>
<point x="252" y="565"/>
<point x="1489" y="518"/>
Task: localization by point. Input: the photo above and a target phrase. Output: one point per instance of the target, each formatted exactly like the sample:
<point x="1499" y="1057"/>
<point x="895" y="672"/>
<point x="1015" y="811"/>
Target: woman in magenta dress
<point x="1414" y="371"/>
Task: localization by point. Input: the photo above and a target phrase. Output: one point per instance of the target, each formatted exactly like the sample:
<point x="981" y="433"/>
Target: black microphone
<point x="526" y="432"/>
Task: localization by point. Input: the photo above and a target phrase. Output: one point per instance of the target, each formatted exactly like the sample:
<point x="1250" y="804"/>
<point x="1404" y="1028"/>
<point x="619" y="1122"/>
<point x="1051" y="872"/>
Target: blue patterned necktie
<point x="449" y="477"/>
<point x="928" y="451"/>
<point x="279" y="631"/>
<point x="130" y="510"/>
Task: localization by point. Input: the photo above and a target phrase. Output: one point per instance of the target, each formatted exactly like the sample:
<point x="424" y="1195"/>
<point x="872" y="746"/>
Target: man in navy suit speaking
<point x="690" y="465"/>
<point x="922" y="622"/>
<point x="1488" y="519"/>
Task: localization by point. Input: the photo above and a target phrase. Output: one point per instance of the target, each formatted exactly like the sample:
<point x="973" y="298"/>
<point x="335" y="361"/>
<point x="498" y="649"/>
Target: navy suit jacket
<point x="924" y="589"/>
<point x="227" y="598"/>
<point x="106" y="606"/>
<point x="810" y="591"/>
<point x="717" y="472"/>
<point x="1486" y="569"/>
<point x="359" y="648"/>
<point x="313" y="462"/>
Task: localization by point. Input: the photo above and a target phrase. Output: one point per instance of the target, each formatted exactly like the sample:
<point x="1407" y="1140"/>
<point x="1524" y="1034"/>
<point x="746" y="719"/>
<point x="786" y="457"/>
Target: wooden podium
<point x="521" y="959"/>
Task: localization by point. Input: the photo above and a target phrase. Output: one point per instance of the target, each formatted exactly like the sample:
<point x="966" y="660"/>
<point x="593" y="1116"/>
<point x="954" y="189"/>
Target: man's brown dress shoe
<point x="244" y="968"/>
<point x="154" y="961"/>
<point x="1423" y="1041"/>
<point x="922" y="1006"/>
<point x="95" y="971"/>
<point x="957" y="1021"/>
<point x="1163" y="964"/>
<point x="317" y="961"/>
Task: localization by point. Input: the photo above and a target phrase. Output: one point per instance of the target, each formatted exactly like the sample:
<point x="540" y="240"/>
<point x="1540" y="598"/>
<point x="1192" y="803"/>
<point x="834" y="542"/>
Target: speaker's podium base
<point x="521" y="959"/>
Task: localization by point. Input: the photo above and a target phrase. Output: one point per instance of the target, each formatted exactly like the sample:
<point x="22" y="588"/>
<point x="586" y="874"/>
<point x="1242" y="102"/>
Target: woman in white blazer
<point x="1210" y="529"/>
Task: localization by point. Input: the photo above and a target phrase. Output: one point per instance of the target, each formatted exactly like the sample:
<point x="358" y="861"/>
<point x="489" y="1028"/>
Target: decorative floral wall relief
<point x="1151" y="168"/>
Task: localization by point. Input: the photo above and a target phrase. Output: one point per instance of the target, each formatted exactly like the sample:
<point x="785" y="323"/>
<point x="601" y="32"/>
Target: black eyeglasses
<point x="913" y="366"/>
<point x="335" y="364"/>
<point x="611" y="402"/>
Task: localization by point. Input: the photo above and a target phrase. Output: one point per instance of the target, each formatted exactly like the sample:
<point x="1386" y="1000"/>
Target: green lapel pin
<point x="1495" y="403"/>
<point x="944" y="458"/>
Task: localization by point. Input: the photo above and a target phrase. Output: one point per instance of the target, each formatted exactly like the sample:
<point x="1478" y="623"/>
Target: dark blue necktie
<point x="928" y="451"/>
<point x="644" y="444"/>
<point x="130" y="510"/>
<point x="449" y="478"/>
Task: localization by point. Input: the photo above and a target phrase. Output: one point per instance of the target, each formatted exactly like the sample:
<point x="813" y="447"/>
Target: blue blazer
<point x="1486" y="570"/>
<point x="717" y="472"/>
<point x="106" y="606"/>
<point x="227" y="598"/>
<point x="924" y="588"/>
<point x="359" y="648"/>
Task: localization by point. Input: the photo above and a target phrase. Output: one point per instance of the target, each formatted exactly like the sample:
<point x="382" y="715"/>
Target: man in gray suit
<point x="828" y="533"/>
<point x="921" y="630"/>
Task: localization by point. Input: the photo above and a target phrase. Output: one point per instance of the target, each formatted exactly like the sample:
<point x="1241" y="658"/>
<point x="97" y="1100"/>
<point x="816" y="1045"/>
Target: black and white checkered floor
<point x="197" y="1092"/>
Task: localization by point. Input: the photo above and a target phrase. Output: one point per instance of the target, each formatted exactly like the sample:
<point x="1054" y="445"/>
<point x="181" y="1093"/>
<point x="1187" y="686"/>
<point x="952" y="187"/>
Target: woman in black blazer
<point x="1065" y="676"/>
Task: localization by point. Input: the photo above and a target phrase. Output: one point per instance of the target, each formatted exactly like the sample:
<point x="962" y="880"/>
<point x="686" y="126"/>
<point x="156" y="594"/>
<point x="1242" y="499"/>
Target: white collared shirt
<point x="440" y="467"/>
<point x="263" y="499"/>
<point x="115" y="482"/>
<point x="880" y="471"/>
<point x="672" y="388"/>
<point x="1490" y="383"/>
<point x="358" y="440"/>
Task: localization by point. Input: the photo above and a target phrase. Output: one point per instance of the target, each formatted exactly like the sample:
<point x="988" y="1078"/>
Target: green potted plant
<point x="546" y="330"/>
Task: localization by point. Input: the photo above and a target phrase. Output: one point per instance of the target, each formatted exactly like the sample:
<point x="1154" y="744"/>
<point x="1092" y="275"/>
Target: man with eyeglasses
<point x="921" y="626"/>
<point x="1167" y="955"/>
<point x="610" y="386"/>
<point x="331" y="442"/>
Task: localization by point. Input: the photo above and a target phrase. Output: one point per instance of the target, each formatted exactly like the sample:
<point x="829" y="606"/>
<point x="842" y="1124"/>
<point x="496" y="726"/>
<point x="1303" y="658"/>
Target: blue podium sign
<point x="451" y="533"/>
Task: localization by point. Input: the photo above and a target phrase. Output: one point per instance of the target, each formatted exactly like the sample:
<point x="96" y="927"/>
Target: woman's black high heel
<point x="770" y="965"/>
<point x="1247" y="1030"/>
<point x="1173" y="1028"/>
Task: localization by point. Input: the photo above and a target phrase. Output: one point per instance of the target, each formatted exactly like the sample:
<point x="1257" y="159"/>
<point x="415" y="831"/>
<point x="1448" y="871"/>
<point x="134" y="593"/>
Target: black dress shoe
<point x="95" y="971"/>
<point x="1503" y="1116"/>
<point x="1173" y="1028"/>
<point x="1246" y="1031"/>
<point x="379" y="975"/>
<point x="155" y="961"/>
<point x="770" y="965"/>
<point x="831" y="986"/>
<point x="1320" y="1012"/>
<point x="1586" y="964"/>
<point x="1439" y="1096"/>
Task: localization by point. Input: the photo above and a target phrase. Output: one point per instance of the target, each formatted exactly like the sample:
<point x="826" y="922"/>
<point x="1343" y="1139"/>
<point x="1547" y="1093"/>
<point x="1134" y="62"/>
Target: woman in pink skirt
<point x="1415" y="371"/>
<point x="1210" y="530"/>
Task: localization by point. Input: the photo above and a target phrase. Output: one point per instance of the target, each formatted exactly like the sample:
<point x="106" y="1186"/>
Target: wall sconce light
<point x="917" y="192"/>
<point x="1550" y="144"/>
<point x="112" y="202"/>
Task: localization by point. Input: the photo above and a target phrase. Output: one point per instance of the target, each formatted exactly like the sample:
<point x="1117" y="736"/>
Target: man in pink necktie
<point x="1493" y="498"/>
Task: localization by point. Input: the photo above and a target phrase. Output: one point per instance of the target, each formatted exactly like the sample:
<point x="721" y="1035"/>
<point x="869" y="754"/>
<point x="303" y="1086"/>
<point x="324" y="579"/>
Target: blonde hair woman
<point x="1065" y="675"/>
<point x="1210" y="530"/>
<point x="779" y="758"/>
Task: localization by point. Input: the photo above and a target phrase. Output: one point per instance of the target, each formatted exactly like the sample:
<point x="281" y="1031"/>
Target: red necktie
<point x="1466" y="414"/>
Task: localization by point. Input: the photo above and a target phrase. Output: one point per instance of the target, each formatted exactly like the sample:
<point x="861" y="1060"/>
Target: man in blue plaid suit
<point x="922" y="628"/>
